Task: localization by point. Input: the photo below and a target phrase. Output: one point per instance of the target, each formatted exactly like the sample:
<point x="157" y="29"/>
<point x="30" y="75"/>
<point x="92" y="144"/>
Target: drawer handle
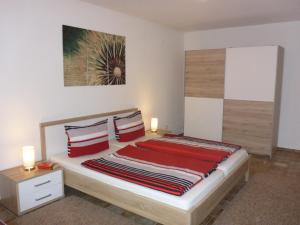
<point x="39" y="199"/>
<point x="41" y="184"/>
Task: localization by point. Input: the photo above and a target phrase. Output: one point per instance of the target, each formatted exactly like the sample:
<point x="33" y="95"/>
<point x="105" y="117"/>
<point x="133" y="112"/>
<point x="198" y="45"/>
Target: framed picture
<point x="93" y="58"/>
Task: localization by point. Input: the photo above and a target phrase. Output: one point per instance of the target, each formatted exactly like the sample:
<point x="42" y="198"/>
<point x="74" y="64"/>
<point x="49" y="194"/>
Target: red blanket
<point x="156" y="170"/>
<point x="183" y="150"/>
<point x="163" y="158"/>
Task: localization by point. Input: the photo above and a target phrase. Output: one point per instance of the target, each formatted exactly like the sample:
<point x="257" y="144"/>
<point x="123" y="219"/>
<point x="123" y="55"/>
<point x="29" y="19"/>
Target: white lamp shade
<point x="154" y="124"/>
<point x="28" y="157"/>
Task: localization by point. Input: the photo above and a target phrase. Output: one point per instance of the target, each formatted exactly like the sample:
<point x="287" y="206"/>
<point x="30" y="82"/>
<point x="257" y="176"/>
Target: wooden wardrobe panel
<point x="249" y="124"/>
<point x="204" y="73"/>
<point x="278" y="90"/>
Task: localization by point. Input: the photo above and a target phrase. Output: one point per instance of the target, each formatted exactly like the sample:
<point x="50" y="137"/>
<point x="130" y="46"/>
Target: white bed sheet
<point x="194" y="196"/>
<point x="228" y="166"/>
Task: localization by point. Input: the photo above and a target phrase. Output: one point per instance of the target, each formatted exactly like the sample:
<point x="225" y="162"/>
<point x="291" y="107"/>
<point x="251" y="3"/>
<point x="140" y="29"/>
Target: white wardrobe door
<point x="203" y="118"/>
<point x="250" y="73"/>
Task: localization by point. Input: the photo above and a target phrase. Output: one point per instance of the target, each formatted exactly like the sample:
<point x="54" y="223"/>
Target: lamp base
<point x="29" y="169"/>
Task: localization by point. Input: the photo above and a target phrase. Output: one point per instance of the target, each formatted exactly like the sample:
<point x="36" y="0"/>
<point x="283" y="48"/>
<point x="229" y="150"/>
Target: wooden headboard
<point x="44" y="125"/>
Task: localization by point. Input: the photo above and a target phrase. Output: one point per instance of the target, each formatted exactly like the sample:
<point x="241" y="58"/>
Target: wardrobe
<point x="233" y="95"/>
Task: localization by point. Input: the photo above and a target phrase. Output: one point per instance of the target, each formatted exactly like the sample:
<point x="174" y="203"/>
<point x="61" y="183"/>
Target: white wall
<point x="285" y="34"/>
<point x="31" y="61"/>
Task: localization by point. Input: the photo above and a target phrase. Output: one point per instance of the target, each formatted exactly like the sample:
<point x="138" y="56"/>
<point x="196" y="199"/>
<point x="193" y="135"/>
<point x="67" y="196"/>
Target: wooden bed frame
<point x="146" y="207"/>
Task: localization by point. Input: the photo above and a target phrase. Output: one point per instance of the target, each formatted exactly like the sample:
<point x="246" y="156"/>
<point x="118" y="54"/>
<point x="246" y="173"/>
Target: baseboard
<point x="287" y="149"/>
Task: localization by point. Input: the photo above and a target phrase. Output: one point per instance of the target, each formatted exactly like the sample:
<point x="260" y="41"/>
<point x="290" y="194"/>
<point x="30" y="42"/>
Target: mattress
<point x="228" y="166"/>
<point x="194" y="196"/>
<point x="233" y="162"/>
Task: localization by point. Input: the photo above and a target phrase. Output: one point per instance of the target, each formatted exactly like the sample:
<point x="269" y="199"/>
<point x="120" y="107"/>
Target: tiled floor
<point x="285" y="161"/>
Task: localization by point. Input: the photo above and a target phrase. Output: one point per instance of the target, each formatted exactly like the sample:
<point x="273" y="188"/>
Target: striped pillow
<point x="129" y="127"/>
<point x="85" y="140"/>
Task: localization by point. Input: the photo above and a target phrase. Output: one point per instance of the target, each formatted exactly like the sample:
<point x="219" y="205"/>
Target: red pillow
<point x="86" y="140"/>
<point x="129" y="127"/>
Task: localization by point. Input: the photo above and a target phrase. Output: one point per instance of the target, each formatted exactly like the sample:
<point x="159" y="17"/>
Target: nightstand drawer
<point x="41" y="183"/>
<point x="29" y="200"/>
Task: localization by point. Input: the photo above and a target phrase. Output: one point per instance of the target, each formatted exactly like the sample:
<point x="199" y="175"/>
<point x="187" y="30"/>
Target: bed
<point x="187" y="201"/>
<point x="189" y="209"/>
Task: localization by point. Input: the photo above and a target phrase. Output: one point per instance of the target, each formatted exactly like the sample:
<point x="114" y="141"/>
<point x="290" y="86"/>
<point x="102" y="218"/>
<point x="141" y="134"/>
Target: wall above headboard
<point x="33" y="89"/>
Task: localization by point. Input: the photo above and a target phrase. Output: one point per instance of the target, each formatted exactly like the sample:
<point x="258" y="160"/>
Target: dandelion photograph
<point x="93" y="58"/>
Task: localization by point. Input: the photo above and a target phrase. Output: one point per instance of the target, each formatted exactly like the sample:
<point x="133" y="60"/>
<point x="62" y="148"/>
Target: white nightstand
<point x="22" y="191"/>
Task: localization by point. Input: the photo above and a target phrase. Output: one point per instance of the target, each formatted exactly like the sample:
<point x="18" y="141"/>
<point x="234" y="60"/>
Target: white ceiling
<point x="207" y="14"/>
